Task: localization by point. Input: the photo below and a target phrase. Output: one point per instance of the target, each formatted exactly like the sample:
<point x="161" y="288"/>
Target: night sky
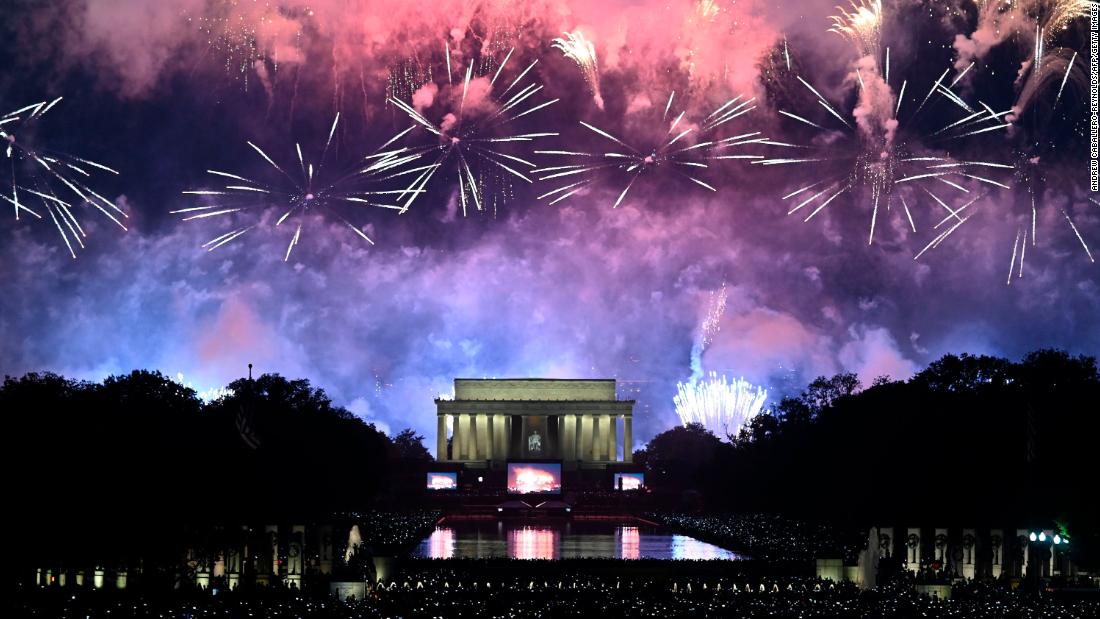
<point x="163" y="90"/>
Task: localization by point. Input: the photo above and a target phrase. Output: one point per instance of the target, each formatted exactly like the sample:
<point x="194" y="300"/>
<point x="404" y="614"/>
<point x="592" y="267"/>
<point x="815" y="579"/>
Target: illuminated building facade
<point x="491" y="421"/>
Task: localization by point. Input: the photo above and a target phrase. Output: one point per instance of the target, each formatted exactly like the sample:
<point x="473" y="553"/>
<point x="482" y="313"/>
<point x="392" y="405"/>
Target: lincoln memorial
<point x="490" y="421"/>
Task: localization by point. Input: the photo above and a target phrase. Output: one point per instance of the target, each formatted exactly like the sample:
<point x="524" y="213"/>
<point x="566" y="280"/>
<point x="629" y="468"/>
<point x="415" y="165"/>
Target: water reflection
<point x="533" y="543"/>
<point x="472" y="540"/>
<point x="684" y="547"/>
<point x="441" y="543"/>
<point x="630" y="542"/>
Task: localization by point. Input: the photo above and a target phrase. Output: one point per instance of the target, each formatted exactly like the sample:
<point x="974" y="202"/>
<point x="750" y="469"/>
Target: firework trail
<point x="672" y="150"/>
<point x="248" y="35"/>
<point x="712" y="322"/>
<point x="42" y="180"/>
<point x="575" y="47"/>
<point x="721" y="406"/>
<point x="303" y="190"/>
<point x="470" y="137"/>
<point x="877" y="147"/>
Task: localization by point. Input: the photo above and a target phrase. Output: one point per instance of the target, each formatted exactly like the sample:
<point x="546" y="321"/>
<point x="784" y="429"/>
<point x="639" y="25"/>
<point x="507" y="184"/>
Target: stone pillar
<point x="500" y="434"/>
<point x="558" y="424"/>
<point x="456" y="438"/>
<point x="1048" y="547"/>
<point x="295" y="556"/>
<point x="885" y="542"/>
<point x="473" y="448"/>
<point x="441" y="438"/>
<point x="598" y="439"/>
<point x="512" y="451"/>
<point x="524" y="431"/>
<point x="271" y="535"/>
<point x="484" y="438"/>
<point x="612" y="438"/>
<point x="569" y="438"/>
<point x="585" y="446"/>
<point x="325" y="552"/>
<point x="912" y="550"/>
<point x="1022" y="540"/>
<point x="628" y="438"/>
<point x="490" y="443"/>
<point x="997" y="540"/>
<point x="969" y="567"/>
<point x="941" y="549"/>
<point x="464" y="427"/>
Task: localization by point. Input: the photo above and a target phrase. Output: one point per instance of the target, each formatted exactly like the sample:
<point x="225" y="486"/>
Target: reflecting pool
<point x="567" y="540"/>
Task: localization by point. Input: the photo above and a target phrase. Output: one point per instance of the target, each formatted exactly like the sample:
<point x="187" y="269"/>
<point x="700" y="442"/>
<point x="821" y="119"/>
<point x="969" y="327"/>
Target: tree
<point x="408" y="445"/>
<point x="824" y="392"/>
<point x="677" y="457"/>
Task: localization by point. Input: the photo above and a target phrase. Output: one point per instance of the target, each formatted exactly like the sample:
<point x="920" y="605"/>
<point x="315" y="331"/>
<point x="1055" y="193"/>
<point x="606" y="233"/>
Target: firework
<point x="862" y="25"/>
<point x="1054" y="16"/>
<point x="249" y="35"/>
<point x="671" y="150"/>
<point x="575" y="47"/>
<point x="712" y="322"/>
<point x="720" y="405"/>
<point x="45" y="181"/>
<point x="878" y="145"/>
<point x="302" y="189"/>
<point x="470" y="138"/>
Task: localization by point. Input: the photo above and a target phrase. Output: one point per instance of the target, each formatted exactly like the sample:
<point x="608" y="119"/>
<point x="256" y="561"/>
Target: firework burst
<point x="672" y="149"/>
<point x="575" y="47"/>
<point x="301" y="190"/>
<point x="476" y="113"/>
<point x="46" y="181"/>
<point x="862" y="25"/>
<point x="879" y="146"/>
<point x="721" y="406"/>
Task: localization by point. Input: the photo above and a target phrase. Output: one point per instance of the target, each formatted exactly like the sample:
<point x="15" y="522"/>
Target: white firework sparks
<point x="302" y="191"/>
<point x="862" y="25"/>
<point x="45" y="181"/>
<point x="580" y="50"/>
<point x="720" y="405"/>
<point x="470" y="140"/>
<point x="712" y="322"/>
<point x="875" y="150"/>
<point x="673" y="150"/>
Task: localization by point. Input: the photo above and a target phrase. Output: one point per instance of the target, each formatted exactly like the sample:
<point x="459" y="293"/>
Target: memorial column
<point x="441" y="438"/>
<point x="612" y="437"/>
<point x="456" y="437"/>
<point x="598" y="439"/>
<point x="628" y="438"/>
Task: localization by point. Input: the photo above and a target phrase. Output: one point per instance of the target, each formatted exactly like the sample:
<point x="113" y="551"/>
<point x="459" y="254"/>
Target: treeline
<point x="140" y="459"/>
<point x="970" y="440"/>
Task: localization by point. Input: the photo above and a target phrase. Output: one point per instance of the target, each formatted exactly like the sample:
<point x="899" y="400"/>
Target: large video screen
<point x="442" y="481"/>
<point x="534" y="477"/>
<point x="629" y="481"/>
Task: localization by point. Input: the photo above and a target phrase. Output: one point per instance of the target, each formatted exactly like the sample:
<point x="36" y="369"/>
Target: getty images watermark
<point x="1094" y="99"/>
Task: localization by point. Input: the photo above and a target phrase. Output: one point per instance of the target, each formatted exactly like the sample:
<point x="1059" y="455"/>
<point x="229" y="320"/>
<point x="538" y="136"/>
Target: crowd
<point x="387" y="532"/>
<point x="464" y="590"/>
<point x="768" y="536"/>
